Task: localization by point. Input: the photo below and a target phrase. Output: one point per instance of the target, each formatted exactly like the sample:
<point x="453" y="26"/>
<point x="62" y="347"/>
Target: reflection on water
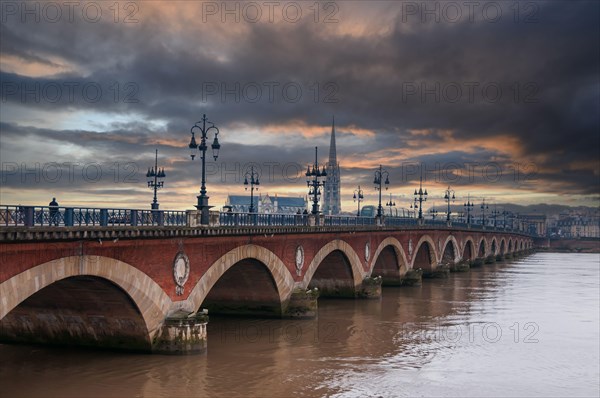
<point x="525" y="327"/>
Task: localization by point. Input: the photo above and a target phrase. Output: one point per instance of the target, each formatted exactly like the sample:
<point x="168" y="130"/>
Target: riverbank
<point x="587" y="245"/>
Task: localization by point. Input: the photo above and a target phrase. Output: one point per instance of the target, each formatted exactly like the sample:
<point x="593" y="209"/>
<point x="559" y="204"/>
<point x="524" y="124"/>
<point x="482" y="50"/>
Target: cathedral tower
<point x="332" y="202"/>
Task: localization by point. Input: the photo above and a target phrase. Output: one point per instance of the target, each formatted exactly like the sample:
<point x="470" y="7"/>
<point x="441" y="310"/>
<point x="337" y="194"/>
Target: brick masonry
<point x="143" y="267"/>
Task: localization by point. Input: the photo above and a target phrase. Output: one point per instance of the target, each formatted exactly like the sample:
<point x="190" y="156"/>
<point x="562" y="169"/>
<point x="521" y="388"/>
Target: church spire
<point x="332" y="200"/>
<point x="332" y="150"/>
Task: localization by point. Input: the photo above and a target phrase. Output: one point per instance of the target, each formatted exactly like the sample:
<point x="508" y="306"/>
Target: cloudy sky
<point x="496" y="99"/>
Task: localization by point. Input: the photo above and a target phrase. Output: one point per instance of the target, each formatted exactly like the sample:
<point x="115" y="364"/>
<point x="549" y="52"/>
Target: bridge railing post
<point x="68" y="216"/>
<point x="134" y="218"/>
<point x="28" y="213"/>
<point x="191" y="218"/>
<point x="103" y="217"/>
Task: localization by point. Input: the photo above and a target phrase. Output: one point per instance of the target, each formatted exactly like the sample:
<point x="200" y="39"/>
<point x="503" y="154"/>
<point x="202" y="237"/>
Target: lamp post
<point x="358" y="197"/>
<point x="201" y="128"/>
<point x="468" y="207"/>
<point x="315" y="184"/>
<point x="495" y="214"/>
<point x="484" y="207"/>
<point x="448" y="196"/>
<point x="378" y="181"/>
<point x="420" y="197"/>
<point x="155" y="174"/>
<point x="504" y="214"/>
<point x="433" y="213"/>
<point x="390" y="204"/>
<point x="253" y="181"/>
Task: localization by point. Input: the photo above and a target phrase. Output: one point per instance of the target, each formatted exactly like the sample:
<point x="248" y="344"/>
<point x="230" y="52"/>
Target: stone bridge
<point x="148" y="288"/>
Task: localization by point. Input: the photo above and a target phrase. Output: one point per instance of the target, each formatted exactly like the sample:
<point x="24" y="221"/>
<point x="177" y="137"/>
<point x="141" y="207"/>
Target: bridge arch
<point x="494" y="246"/>
<point x="389" y="260"/>
<point x="148" y="298"/>
<point x="482" y="248"/>
<point x="425" y="256"/>
<point x="341" y="252"/>
<point x="468" y="251"/>
<point x="502" y="246"/>
<point x="450" y="253"/>
<point x="256" y="257"/>
<point x="510" y="245"/>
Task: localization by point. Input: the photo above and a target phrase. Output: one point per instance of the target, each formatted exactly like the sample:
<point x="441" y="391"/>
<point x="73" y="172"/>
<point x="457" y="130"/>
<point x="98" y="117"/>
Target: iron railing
<point x="39" y="216"/>
<point x="34" y="216"/>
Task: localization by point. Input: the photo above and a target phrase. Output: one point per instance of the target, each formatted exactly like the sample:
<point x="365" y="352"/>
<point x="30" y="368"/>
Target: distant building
<point x="534" y="223"/>
<point x="332" y="201"/>
<point x="577" y="226"/>
<point x="240" y="203"/>
<point x="267" y="204"/>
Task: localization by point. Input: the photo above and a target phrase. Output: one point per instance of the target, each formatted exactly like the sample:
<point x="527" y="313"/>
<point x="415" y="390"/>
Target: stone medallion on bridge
<point x="368" y="251"/>
<point x="299" y="260"/>
<point x="181" y="271"/>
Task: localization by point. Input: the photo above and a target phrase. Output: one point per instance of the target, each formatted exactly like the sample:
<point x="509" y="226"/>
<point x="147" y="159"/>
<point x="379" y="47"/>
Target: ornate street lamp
<point x="468" y="207"/>
<point x="378" y="181"/>
<point x="358" y="197"/>
<point x="495" y="214"/>
<point x="433" y="213"/>
<point x="390" y="204"/>
<point x="315" y="182"/>
<point x="449" y="196"/>
<point x="484" y="207"/>
<point x="203" y="131"/>
<point x="155" y="174"/>
<point x="504" y="223"/>
<point x="253" y="181"/>
<point x="420" y="197"/>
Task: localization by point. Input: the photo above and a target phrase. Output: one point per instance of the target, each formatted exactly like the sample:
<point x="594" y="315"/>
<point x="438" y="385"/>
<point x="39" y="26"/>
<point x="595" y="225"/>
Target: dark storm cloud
<point x="547" y="71"/>
<point x="116" y="161"/>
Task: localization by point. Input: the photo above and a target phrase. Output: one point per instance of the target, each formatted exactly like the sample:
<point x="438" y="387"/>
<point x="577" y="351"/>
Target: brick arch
<point x="401" y="259"/>
<point x="493" y="246"/>
<point x="485" y="247"/>
<point x="457" y="252"/>
<point x="502" y="248"/>
<point x="152" y="302"/>
<point x="281" y="276"/>
<point x="469" y="239"/>
<point x="432" y="253"/>
<point x="358" y="273"/>
<point x="511" y="246"/>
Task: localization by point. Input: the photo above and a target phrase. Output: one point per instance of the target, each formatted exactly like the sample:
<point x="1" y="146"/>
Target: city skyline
<point x="105" y="102"/>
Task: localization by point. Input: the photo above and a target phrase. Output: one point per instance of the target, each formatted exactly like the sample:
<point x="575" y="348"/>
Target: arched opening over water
<point x="424" y="257"/>
<point x="468" y="251"/>
<point x="333" y="276"/>
<point x="389" y="262"/>
<point x="481" y="251"/>
<point x="245" y="288"/>
<point x="510" y="245"/>
<point x="80" y="310"/>
<point x="449" y="255"/>
<point x="494" y="247"/>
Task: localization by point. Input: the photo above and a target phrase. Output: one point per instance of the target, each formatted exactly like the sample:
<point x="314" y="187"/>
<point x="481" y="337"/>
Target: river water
<point x="527" y="327"/>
